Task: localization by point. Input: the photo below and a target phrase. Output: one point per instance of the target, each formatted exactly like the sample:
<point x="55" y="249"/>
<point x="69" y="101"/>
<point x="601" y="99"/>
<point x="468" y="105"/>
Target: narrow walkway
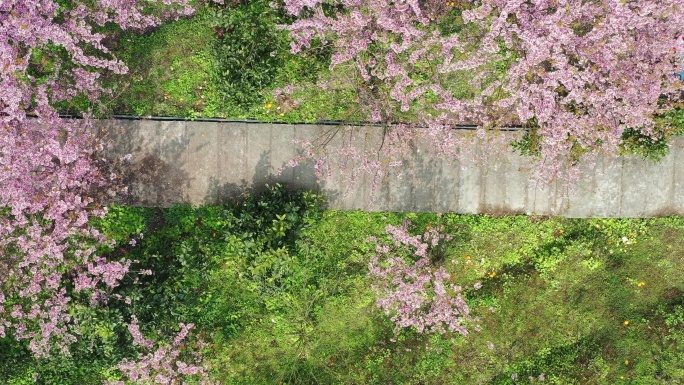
<point x="212" y="162"/>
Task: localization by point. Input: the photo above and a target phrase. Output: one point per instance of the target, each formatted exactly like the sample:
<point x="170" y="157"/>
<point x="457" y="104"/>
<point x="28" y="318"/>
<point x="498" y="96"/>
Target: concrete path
<point x="209" y="163"/>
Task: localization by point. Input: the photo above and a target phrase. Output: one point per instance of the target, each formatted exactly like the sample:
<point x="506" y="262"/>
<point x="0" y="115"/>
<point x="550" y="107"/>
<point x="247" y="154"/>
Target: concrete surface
<point x="210" y="163"/>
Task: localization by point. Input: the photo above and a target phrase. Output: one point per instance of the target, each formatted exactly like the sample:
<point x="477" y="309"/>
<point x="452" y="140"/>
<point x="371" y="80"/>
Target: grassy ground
<point x="227" y="60"/>
<point x="568" y="301"/>
<point x="279" y="290"/>
<point x="170" y="71"/>
<point x="217" y="64"/>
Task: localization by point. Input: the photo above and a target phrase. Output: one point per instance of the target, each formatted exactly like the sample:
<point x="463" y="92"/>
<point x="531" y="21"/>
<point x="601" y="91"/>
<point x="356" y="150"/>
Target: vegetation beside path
<point x="278" y="291"/>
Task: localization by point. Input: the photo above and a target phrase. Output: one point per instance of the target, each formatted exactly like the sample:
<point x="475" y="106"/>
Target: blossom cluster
<point x="48" y="179"/>
<point x="586" y="71"/>
<point x="30" y="69"/>
<point x="52" y="177"/>
<point x="413" y="292"/>
<point x="162" y="365"/>
<point x="581" y="71"/>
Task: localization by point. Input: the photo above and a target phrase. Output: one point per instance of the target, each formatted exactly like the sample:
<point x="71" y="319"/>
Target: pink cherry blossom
<point x="414" y="293"/>
<point x="584" y="71"/>
<point x="52" y="176"/>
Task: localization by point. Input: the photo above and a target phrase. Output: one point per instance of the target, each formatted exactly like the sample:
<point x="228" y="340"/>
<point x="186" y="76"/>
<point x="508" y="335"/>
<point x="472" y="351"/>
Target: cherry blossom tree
<point x="581" y="72"/>
<point x="53" y="178"/>
<point x="413" y="292"/>
<point x="164" y="365"/>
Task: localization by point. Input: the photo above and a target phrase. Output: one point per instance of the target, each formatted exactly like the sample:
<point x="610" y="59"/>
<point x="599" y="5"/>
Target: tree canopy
<point x="582" y="74"/>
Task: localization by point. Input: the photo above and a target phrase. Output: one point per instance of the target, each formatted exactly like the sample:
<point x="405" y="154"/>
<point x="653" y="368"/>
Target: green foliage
<point x="634" y="141"/>
<point x="247" y="50"/>
<point x="211" y="263"/>
<point x="316" y="321"/>
<point x="122" y="223"/>
<point x="278" y="288"/>
<point x="655" y="147"/>
<point x="671" y="368"/>
<point x="675" y="119"/>
<point x="170" y="71"/>
<point x="529" y="144"/>
<point x="649" y="147"/>
<point x="251" y="58"/>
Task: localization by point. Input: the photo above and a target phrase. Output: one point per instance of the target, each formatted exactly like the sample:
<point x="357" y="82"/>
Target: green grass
<point x="227" y="60"/>
<point x="560" y="292"/>
<point x="170" y="71"/>
<point x="278" y="288"/>
<point x="224" y="62"/>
